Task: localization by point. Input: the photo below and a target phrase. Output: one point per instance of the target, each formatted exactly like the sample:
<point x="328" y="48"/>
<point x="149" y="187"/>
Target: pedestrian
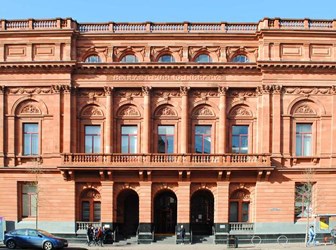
<point x="89" y="234"/>
<point x="311" y="236"/>
<point x="182" y="233"/>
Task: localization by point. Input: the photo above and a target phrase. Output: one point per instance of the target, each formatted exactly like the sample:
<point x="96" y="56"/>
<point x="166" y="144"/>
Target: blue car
<point x="32" y="238"/>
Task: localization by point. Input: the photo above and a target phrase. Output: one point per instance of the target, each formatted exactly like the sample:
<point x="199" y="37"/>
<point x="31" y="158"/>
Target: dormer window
<point x="129" y="59"/>
<point x="93" y="59"/>
<point x="240" y="59"/>
<point x="166" y="59"/>
<point x="203" y="58"/>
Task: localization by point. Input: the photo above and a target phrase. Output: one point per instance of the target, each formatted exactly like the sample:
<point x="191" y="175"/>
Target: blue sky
<point x="167" y="10"/>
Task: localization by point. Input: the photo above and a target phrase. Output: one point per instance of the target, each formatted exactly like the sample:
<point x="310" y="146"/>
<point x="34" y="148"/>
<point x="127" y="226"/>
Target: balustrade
<point x="241" y="227"/>
<point x="168" y="27"/>
<point x="164" y="159"/>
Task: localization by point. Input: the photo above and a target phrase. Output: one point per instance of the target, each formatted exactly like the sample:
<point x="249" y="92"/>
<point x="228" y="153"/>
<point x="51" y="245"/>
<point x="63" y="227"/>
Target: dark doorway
<point x="202" y="212"/>
<point x="165" y="212"/>
<point x="128" y="212"/>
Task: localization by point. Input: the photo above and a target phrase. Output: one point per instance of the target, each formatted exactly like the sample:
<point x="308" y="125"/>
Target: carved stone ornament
<point x="91" y="194"/>
<point x="222" y="90"/>
<point x="119" y="52"/>
<point x="304" y="110"/>
<point x="184" y="90"/>
<point x="155" y="51"/>
<point x="146" y="90"/>
<point x="166" y="111"/>
<point x="205" y="94"/>
<point x="264" y="89"/>
<point x="29" y="91"/>
<point x="240" y="111"/>
<point x="2" y="89"/>
<point x="166" y="94"/>
<point x="277" y="89"/>
<point x="242" y="194"/>
<point x="30" y="109"/>
<point x="108" y="90"/>
<point x="193" y="51"/>
<point x="129" y="94"/>
<point x="56" y="88"/>
<point x="308" y="91"/>
<point x="129" y="111"/>
<point x="92" y="111"/>
<point x="203" y="111"/>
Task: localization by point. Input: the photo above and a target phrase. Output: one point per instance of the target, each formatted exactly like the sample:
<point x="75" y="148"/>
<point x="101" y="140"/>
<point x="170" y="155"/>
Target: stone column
<point x="109" y="120"/>
<point x="286" y="139"/>
<point x="2" y="119"/>
<point x="145" y="212"/>
<point x="221" y="219"/>
<point x="66" y="118"/>
<point x="276" y="123"/>
<point x="107" y="203"/>
<point x="74" y="115"/>
<point x="264" y="117"/>
<point x="184" y="120"/>
<point x="146" y="137"/>
<point x="183" y="207"/>
<point x="222" y="120"/>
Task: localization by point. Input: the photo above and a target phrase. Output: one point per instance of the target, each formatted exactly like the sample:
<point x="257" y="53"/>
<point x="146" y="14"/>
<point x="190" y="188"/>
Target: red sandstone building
<point x="148" y="126"/>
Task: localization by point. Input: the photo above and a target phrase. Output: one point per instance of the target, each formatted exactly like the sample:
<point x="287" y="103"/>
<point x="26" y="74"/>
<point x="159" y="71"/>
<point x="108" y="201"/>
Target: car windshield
<point x="45" y="233"/>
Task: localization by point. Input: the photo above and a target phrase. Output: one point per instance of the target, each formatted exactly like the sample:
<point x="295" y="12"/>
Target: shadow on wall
<point x="10" y="225"/>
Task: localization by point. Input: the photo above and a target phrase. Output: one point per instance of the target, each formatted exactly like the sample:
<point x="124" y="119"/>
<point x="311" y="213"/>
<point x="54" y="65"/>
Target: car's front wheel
<point x="11" y="244"/>
<point x="47" y="245"/>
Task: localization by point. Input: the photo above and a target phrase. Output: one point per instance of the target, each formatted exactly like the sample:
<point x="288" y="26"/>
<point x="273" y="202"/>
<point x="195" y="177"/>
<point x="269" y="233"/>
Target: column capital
<point x="277" y="89"/>
<point x="222" y="90"/>
<point x="56" y="88"/>
<point x="184" y="90"/>
<point x="333" y="89"/>
<point x="146" y="90"/>
<point x="66" y="88"/>
<point x="264" y="89"/>
<point x="2" y="89"/>
<point x="108" y="90"/>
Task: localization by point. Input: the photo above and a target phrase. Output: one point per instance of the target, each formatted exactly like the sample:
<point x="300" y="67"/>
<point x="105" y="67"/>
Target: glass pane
<point x="29" y="188"/>
<point x="240" y="59"/>
<point x="307" y="145"/>
<point x="30" y="128"/>
<point x="162" y="144"/>
<point x="88" y="144"/>
<point x="129" y="59"/>
<point x="245" y="211"/>
<point x="92" y="130"/>
<point x="85" y="211"/>
<point x="26" y="146"/>
<point x="96" y="211"/>
<point x="34" y="148"/>
<point x="93" y="59"/>
<point x="133" y="144"/>
<point x="203" y="130"/>
<point x="303" y="128"/>
<point x="166" y="58"/>
<point x="235" y="144"/>
<point x="244" y="145"/>
<point x="129" y="130"/>
<point x="298" y="145"/>
<point x="207" y="145"/>
<point x="203" y="58"/>
<point x="198" y="144"/>
<point x="33" y="205"/>
<point x="233" y="212"/>
<point x="238" y="130"/>
<point x="25" y="205"/>
<point x="164" y="130"/>
<point x="170" y="146"/>
<point x="96" y="144"/>
<point x="124" y="144"/>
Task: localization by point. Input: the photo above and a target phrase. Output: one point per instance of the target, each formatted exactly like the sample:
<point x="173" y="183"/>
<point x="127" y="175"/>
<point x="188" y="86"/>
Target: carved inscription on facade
<point x="138" y="77"/>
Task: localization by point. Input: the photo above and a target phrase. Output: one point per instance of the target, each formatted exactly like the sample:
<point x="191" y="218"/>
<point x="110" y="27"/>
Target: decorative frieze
<point x="166" y="77"/>
<point x="205" y="94"/>
<point x="308" y="91"/>
<point x="29" y="91"/>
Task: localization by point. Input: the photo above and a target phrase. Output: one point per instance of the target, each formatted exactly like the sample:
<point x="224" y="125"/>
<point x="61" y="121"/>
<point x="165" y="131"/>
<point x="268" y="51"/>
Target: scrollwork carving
<point x="203" y="111"/>
<point x="92" y="111"/>
<point x="30" y="108"/>
<point x="166" y="111"/>
<point x="222" y="90"/>
<point x="129" y="111"/>
<point x="264" y="89"/>
<point x="184" y="90"/>
<point x="304" y="109"/>
<point x="240" y="111"/>
<point x="146" y="90"/>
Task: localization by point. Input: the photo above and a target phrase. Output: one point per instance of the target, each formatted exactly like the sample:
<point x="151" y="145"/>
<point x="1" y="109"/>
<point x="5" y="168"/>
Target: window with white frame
<point x="29" y="199"/>
<point x="30" y="139"/>
<point x="303" y="139"/>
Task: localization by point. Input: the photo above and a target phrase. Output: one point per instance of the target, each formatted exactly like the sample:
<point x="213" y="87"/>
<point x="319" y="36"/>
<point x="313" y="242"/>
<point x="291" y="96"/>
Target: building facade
<point x="144" y="127"/>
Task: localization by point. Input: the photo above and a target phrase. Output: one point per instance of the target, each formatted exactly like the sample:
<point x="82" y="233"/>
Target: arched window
<point x="129" y="59"/>
<point x="240" y="59"/>
<point x="93" y="59"/>
<point x="203" y="58"/>
<point x="166" y="59"/>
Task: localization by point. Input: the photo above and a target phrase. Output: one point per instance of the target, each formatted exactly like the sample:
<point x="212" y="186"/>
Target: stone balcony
<point x="158" y="161"/>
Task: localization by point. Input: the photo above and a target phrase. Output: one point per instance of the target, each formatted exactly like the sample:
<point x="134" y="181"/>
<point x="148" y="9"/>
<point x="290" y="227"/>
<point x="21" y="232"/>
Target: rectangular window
<point x="303" y="139"/>
<point x="203" y="139"/>
<point x="129" y="139"/>
<point x="240" y="139"/>
<point x="303" y="199"/>
<point x="30" y="139"/>
<point x="29" y="200"/>
<point x="166" y="139"/>
<point x="92" y="139"/>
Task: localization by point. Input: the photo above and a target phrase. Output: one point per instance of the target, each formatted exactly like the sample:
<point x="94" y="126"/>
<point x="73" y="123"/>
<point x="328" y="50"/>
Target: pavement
<point x="158" y="246"/>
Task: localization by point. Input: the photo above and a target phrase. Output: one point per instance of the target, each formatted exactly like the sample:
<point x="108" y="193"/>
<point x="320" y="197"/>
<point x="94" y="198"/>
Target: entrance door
<point x="165" y="212"/>
<point x="202" y="212"/>
<point x="128" y="212"/>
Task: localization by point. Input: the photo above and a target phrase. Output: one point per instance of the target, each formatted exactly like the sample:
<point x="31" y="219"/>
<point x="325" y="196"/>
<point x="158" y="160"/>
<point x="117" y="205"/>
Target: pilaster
<point x="66" y="118"/>
<point x="74" y="138"/>
<point x="333" y="126"/>
<point x="109" y="120"/>
<point x="184" y="120"/>
<point x="276" y="123"/>
<point x="222" y="120"/>
<point x="147" y="120"/>
<point x="2" y="119"/>
<point x="56" y="90"/>
<point x="107" y="202"/>
<point x="264" y="118"/>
